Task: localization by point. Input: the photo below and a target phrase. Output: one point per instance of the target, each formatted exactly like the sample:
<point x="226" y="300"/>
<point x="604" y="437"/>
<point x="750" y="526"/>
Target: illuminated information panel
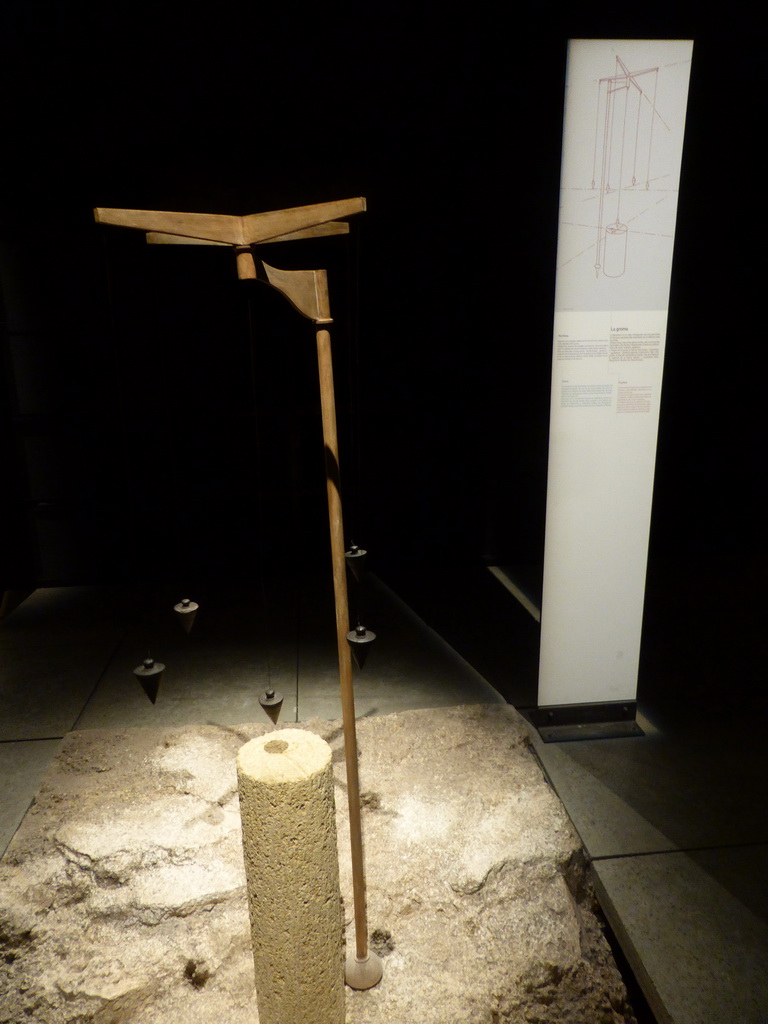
<point x="622" y="148"/>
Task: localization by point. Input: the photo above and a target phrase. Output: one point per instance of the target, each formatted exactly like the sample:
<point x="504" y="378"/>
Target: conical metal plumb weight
<point x="272" y="702"/>
<point x="355" y="559"/>
<point x="149" y="674"/>
<point x="186" y="611"/>
<point x="359" y="640"/>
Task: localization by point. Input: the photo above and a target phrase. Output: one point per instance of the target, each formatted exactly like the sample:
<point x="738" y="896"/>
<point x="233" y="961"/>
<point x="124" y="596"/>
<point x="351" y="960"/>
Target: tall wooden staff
<point x="307" y="291"/>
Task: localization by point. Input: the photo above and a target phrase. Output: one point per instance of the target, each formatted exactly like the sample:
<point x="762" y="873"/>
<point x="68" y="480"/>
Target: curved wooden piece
<point x="306" y="290"/>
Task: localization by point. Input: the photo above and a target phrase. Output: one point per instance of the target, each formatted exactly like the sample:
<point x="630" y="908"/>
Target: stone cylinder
<point x="292" y="873"/>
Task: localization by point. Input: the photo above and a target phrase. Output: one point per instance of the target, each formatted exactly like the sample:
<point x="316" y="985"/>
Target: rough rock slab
<point x="122" y="896"/>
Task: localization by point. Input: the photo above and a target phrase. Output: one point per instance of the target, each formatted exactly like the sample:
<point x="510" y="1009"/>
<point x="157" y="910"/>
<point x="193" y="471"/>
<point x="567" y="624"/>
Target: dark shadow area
<point x="643" y="1013"/>
<point x="481" y="620"/>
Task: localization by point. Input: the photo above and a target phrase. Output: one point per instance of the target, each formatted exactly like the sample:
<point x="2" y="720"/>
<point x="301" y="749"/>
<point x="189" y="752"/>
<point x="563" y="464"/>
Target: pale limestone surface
<point x="123" y="896"/>
<point x="292" y="874"/>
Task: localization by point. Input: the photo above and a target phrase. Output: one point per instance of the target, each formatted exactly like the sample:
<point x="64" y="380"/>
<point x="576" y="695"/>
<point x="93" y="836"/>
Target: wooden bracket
<point x="306" y="290"/>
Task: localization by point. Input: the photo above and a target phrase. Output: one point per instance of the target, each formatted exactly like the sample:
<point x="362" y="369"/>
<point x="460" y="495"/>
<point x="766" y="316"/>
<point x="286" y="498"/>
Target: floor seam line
<point x="34" y="739"/>
<point x="681" y="849"/>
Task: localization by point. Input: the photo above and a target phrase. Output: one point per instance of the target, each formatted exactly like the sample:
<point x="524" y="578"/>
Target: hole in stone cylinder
<point x="276" y="746"/>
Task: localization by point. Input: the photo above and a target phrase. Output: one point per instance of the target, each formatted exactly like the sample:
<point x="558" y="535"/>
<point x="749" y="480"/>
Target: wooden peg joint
<point x="246" y="267"/>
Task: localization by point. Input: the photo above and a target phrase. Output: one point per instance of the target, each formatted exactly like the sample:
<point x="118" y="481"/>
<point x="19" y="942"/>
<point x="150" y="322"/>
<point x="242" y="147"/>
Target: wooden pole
<point x="364" y="970"/>
<point x="307" y="290"/>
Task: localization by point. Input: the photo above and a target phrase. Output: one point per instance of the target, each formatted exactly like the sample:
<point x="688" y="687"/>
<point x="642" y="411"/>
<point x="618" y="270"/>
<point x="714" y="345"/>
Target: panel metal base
<point x="566" y="722"/>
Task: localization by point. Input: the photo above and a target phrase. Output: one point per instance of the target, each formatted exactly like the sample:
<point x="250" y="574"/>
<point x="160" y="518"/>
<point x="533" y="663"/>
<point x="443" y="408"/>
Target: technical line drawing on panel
<point x="625" y="119"/>
<point x="623" y="129"/>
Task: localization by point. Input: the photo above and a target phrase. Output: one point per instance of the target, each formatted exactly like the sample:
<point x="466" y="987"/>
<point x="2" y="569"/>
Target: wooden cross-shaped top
<point x="307" y="290"/>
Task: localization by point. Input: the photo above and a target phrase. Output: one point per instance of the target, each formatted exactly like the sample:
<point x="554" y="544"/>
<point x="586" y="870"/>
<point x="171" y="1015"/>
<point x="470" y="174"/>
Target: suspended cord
<point x="641" y="97"/>
<point x="115" y="356"/>
<point x="130" y="527"/>
<point x="355" y="390"/>
<point x="121" y="406"/>
<point x="622" y="147"/>
<point x="354" y="377"/>
<point x="652" y="125"/>
<point x="259" y="490"/>
<point x="597" y="130"/>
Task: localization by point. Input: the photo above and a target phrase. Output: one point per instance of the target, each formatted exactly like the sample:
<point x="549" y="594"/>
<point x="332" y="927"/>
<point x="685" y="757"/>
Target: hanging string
<point x="266" y="620"/>
<point x="652" y="125"/>
<point x="353" y="379"/>
<point x="132" y="519"/>
<point x="597" y="131"/>
<point x="116" y="359"/>
<point x="354" y="387"/>
<point x="129" y="501"/>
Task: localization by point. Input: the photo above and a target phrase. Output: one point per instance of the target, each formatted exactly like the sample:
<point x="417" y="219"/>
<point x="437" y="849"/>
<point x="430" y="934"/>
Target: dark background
<point x="159" y="419"/>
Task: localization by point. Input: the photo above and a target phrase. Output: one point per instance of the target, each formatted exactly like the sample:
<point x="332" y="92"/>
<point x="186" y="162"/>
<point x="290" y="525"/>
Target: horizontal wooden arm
<point x="207" y="227"/>
<point x="249" y="230"/>
<point x="259" y="227"/>
<point x="334" y="227"/>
